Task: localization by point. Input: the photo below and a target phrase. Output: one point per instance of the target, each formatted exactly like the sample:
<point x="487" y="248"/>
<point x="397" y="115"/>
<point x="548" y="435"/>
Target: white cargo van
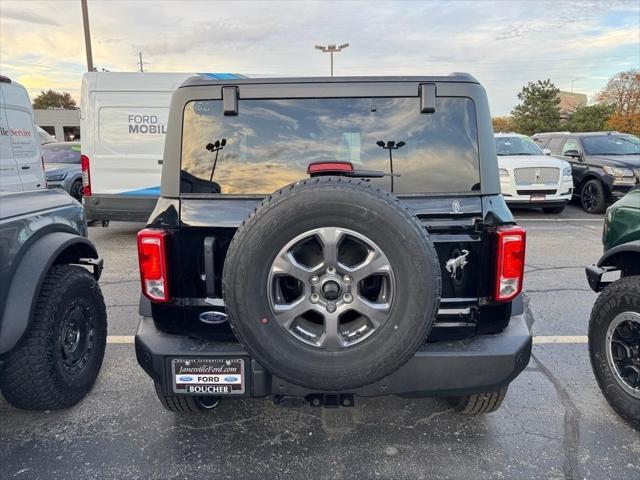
<point x="123" y="122"/>
<point x="20" y="157"/>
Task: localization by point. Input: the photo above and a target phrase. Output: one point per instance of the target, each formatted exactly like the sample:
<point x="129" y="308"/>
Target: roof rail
<point x="548" y="133"/>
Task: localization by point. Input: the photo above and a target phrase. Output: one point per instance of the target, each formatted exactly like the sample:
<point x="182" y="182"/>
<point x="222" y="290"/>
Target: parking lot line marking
<point x="599" y="220"/>
<point x="550" y="339"/>
<point x="539" y="339"/>
<point x="119" y="339"/>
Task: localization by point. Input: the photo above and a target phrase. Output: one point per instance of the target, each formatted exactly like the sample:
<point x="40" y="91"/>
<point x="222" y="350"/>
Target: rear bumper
<point x="126" y="208"/>
<point x="479" y="364"/>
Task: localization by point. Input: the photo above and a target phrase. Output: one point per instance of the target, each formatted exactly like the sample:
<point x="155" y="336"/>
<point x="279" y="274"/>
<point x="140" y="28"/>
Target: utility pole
<point x="87" y="35"/>
<point x="331" y="49"/>
<point x="140" y="62"/>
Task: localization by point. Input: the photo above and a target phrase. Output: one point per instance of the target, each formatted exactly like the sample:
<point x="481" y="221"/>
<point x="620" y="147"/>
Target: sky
<point x="503" y="43"/>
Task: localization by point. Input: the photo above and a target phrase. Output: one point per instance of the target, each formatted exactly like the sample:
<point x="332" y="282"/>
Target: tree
<point x="539" y="108"/>
<point x="503" y="124"/>
<point x="592" y="118"/>
<point x="53" y="99"/>
<point x="625" y="123"/>
<point x="623" y="93"/>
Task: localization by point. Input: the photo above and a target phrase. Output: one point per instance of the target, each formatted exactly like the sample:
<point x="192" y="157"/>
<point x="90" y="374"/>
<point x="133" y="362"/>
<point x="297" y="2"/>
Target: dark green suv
<point x="614" y="328"/>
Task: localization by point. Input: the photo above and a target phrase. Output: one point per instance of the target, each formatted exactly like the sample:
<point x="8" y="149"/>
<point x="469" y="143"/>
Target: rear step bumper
<point x="479" y="364"/>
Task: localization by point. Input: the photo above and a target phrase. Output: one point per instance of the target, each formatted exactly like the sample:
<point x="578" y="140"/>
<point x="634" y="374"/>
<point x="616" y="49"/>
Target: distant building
<point x="62" y="124"/>
<point x="570" y="102"/>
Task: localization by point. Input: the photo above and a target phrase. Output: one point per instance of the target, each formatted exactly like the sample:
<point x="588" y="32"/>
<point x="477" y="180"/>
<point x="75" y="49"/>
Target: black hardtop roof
<point x="203" y="80"/>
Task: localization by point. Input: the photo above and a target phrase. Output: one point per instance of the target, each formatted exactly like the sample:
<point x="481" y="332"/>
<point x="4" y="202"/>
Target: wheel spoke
<point x="376" y="312"/>
<point x="330" y="239"/>
<point x="287" y="313"/>
<point x="286" y="264"/>
<point x="374" y="263"/>
<point x="624" y="346"/>
<point x="331" y="339"/>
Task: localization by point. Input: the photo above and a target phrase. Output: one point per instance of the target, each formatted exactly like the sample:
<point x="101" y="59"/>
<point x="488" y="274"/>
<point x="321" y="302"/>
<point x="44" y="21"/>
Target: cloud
<point x="28" y="17"/>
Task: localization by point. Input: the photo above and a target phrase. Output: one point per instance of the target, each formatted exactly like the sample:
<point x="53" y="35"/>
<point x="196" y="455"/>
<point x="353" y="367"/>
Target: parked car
<point x="321" y="239"/>
<point x="528" y="177"/>
<point x="62" y="167"/>
<point x="20" y="158"/>
<point x="53" y="326"/>
<point x="614" y="328"/>
<point x="605" y="165"/>
<point x="123" y="124"/>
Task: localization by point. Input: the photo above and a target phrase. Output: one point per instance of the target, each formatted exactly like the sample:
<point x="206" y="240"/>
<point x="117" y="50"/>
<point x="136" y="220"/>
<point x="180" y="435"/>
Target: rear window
<point x="52" y="153"/>
<point x="270" y="143"/>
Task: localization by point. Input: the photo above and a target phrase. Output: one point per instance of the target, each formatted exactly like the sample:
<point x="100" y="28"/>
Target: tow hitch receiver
<point x="328" y="400"/>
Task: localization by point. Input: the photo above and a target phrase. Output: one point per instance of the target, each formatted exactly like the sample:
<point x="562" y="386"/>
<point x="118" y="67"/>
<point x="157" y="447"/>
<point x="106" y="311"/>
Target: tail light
<point x="86" y="176"/>
<point x="152" y="255"/>
<point x="509" y="262"/>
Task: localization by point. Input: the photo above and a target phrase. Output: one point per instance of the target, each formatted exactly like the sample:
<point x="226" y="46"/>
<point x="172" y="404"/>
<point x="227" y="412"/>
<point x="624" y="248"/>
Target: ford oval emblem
<point x="230" y="379"/>
<point x="185" y="379"/>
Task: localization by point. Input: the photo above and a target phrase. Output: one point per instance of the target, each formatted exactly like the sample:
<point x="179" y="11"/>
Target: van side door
<point x="9" y="176"/>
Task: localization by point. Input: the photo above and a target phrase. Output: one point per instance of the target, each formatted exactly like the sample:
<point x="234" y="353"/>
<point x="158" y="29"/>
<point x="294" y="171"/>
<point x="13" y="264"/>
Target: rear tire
<point x="478" y="404"/>
<point x="553" y="210"/>
<point x="58" y="360"/>
<point x="592" y="197"/>
<point x="76" y="190"/>
<point x="184" y="404"/>
<point x="621" y="297"/>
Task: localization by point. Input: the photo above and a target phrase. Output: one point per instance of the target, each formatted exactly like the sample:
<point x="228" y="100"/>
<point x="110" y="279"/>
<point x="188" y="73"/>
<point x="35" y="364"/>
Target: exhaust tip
<point x="208" y="403"/>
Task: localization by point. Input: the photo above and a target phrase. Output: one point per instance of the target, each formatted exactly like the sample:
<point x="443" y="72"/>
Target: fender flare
<point x="24" y="288"/>
<point x="606" y="259"/>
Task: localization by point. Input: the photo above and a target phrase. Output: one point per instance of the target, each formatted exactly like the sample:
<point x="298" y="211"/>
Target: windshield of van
<point x="516" y="146"/>
<point x="270" y="143"/>
<point x="56" y="153"/>
<point x="611" y="145"/>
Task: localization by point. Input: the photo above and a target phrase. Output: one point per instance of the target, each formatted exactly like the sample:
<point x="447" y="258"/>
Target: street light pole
<point x="391" y="145"/>
<point x="87" y="35"/>
<point x="331" y="49"/>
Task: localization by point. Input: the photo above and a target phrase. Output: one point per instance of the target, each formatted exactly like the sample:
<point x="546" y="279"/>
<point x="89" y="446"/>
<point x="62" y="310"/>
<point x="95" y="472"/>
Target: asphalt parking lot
<point x="554" y="422"/>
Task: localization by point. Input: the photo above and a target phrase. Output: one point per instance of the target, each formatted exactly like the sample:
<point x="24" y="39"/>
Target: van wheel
<point x="478" y="404"/>
<point x="185" y="404"/>
<point x="592" y="197"/>
<point x="60" y="357"/>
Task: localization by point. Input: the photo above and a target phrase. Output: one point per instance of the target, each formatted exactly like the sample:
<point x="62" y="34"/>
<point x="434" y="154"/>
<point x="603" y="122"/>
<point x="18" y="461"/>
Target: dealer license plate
<point x="208" y="376"/>
<point x="538" y="197"/>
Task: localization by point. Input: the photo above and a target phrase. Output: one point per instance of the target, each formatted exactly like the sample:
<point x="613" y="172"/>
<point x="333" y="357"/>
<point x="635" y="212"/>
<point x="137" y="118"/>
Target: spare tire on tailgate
<point x="331" y="283"/>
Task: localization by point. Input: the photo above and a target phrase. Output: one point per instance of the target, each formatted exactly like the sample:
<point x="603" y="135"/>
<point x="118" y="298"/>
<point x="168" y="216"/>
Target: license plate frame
<point x="538" y="197"/>
<point x="215" y="376"/>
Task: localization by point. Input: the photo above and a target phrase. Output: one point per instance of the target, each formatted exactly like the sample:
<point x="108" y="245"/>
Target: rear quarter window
<point x="270" y="143"/>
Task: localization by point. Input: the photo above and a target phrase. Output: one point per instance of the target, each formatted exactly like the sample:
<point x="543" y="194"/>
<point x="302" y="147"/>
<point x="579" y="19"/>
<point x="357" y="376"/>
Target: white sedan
<point x="529" y="177"/>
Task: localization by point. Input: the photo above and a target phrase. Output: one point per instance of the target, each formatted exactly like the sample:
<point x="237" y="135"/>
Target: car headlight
<point x="503" y="172"/>
<point x="56" y="177"/>
<point x="566" y="171"/>
<point x="618" y="172"/>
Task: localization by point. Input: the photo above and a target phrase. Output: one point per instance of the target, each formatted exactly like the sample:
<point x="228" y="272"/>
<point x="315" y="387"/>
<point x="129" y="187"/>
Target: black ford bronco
<point x="319" y="239"/>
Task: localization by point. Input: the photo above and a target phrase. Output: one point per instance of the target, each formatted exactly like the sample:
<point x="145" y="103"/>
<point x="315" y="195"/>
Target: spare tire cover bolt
<point x="347" y="297"/>
<point x="314" y="298"/>
<point x="331" y="270"/>
<point x="331" y="307"/>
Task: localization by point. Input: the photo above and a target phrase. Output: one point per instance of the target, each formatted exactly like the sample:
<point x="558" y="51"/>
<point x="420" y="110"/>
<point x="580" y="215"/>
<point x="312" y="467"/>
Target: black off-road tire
<point x="34" y="376"/>
<point x="478" y="404"/>
<point x="553" y="210"/>
<point x="346" y="203"/>
<point x="76" y="190"/>
<point x="598" y="202"/>
<point x="621" y="296"/>
<point x="182" y="404"/>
